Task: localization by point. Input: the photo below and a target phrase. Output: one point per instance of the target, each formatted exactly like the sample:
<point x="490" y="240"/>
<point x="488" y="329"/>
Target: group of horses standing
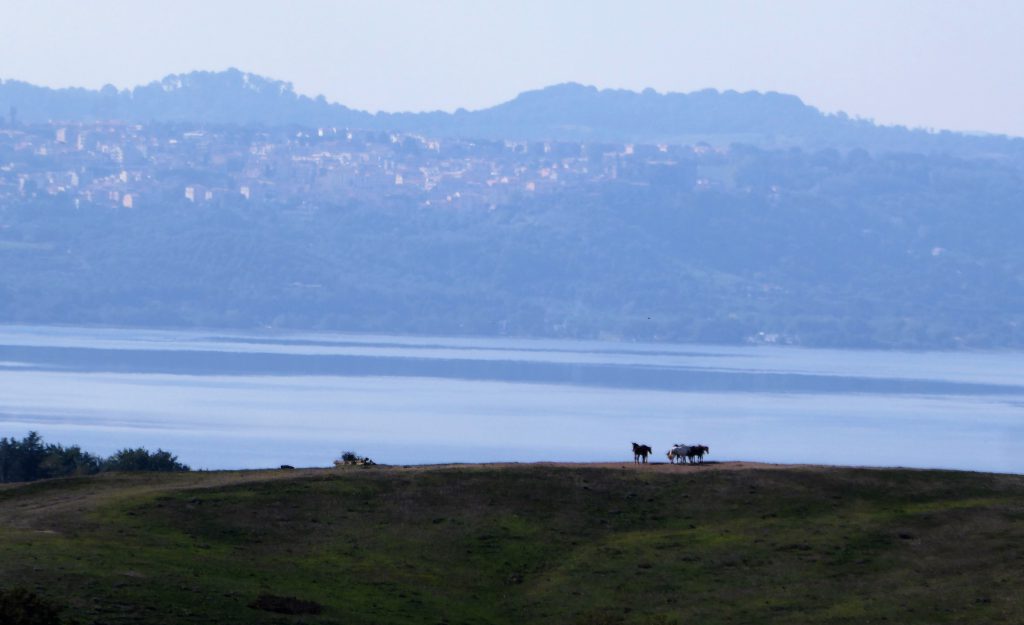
<point x="680" y="453"/>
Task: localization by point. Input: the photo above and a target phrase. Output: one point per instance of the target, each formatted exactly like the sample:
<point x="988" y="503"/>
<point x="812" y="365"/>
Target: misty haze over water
<point x="229" y="400"/>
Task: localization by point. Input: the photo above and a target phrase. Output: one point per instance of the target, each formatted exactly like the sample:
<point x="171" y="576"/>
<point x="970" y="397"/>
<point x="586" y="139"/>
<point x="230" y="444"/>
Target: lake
<point x="231" y="400"/>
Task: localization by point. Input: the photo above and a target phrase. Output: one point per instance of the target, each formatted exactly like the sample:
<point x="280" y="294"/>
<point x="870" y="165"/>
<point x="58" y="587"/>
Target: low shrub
<point x="22" y="607"/>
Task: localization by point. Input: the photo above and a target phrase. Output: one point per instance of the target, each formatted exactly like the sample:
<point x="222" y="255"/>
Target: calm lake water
<point x="224" y="400"/>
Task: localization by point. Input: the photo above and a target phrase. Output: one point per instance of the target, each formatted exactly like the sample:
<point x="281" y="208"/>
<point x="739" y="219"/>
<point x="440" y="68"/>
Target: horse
<point x="641" y="451"/>
<point x="696" y="453"/>
<point x="678" y="452"/>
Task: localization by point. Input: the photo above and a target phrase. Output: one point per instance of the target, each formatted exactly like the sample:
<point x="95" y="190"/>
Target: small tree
<point x="349" y="457"/>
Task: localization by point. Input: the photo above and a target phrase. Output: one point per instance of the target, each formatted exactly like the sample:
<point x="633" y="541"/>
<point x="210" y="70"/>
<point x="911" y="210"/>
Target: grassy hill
<point x="523" y="544"/>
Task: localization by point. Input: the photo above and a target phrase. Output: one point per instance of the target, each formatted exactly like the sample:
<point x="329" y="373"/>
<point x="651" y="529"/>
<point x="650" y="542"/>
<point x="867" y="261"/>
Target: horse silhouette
<point x="696" y="453"/>
<point x="640" y="452"/>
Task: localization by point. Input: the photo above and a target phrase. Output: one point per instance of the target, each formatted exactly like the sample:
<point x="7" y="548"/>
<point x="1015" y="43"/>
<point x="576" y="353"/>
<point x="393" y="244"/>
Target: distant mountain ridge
<point x="565" y="112"/>
<point x="231" y="96"/>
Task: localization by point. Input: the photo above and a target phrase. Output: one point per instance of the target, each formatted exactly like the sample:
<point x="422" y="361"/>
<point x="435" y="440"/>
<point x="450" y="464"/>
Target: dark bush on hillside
<point x="71" y="461"/>
<point x="30" y="459"/>
<point x="141" y="459"/>
<point x="285" y="605"/>
<point x="22" y="607"/>
<point x="349" y="456"/>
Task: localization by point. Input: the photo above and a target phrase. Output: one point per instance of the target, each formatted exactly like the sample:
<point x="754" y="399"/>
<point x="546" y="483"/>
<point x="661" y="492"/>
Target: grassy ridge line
<point x="525" y="543"/>
<point x="49" y="499"/>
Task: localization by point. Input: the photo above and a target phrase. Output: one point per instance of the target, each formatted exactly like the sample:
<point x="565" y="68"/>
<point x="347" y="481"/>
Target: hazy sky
<point x="930" y="63"/>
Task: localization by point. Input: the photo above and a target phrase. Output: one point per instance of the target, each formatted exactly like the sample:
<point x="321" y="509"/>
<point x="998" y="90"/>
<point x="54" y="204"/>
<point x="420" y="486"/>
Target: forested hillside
<point x="897" y="251"/>
<point x="299" y="226"/>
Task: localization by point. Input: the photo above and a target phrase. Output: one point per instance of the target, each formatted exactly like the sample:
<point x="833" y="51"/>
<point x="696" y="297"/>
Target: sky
<point x="923" y="63"/>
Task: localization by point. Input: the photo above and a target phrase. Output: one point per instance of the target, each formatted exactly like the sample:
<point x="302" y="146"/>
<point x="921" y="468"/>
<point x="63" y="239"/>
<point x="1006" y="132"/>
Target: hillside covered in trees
<point x="298" y="226"/>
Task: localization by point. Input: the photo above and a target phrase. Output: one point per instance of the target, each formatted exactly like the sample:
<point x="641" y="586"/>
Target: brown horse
<point x="696" y="453"/>
<point x="641" y="452"/>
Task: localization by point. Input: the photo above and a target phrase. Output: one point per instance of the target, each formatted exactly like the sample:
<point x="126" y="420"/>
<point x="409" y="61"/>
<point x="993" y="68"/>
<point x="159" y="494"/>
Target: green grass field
<point x="557" y="544"/>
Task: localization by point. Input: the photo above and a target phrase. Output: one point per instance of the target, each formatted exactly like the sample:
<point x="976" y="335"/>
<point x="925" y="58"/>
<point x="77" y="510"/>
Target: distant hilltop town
<point x="232" y="136"/>
<point x="135" y="166"/>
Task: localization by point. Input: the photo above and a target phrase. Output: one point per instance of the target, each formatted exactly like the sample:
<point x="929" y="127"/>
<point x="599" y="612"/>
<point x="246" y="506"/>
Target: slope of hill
<point x="523" y="544"/>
